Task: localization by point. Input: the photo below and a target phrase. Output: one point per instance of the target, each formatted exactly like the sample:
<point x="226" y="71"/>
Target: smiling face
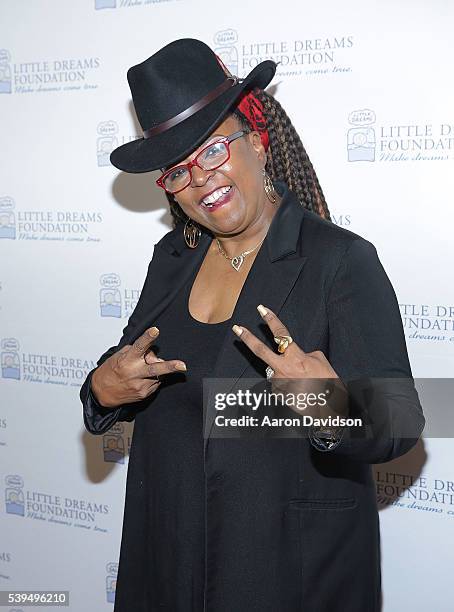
<point x="241" y="199"/>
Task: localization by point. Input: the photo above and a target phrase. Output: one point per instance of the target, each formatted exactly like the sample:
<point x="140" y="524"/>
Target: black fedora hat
<point x="180" y="94"/>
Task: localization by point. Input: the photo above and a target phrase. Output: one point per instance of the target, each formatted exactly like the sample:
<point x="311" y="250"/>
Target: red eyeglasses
<point x="209" y="158"/>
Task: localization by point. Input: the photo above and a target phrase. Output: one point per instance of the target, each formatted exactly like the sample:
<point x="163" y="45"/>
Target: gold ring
<point x="283" y="342"/>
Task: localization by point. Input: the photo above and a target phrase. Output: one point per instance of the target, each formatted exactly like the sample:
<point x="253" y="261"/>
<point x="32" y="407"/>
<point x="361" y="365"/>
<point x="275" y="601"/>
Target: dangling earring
<point x="269" y="187"/>
<point x="191" y="233"/>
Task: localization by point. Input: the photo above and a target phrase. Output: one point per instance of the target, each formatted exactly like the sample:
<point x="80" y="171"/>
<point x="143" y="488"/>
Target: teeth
<point x="213" y="197"/>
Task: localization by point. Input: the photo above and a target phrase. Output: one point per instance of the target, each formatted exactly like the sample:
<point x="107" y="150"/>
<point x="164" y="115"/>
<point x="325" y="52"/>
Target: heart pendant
<point x="237" y="262"/>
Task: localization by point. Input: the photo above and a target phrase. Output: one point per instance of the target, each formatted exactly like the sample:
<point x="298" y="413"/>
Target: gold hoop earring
<point x="191" y="233"/>
<point x="269" y="187"/>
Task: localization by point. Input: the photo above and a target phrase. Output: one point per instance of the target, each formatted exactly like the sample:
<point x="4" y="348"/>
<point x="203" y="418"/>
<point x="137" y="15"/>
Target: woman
<point x="225" y="524"/>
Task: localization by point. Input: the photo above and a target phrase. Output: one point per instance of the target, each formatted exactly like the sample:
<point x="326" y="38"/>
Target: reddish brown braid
<point x="287" y="159"/>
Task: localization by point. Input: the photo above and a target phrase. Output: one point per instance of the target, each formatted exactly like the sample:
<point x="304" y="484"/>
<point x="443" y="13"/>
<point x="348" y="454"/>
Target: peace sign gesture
<point x="294" y="365"/>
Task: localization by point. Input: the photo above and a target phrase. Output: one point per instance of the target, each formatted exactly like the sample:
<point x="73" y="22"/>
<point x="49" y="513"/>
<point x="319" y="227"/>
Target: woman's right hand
<point x="126" y="376"/>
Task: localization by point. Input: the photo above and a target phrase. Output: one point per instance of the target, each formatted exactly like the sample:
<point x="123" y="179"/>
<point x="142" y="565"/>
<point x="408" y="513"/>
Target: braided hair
<point x="287" y="159"/>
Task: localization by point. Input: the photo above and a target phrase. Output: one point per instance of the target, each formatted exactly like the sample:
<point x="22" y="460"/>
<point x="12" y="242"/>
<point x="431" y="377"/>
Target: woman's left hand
<point x="293" y="363"/>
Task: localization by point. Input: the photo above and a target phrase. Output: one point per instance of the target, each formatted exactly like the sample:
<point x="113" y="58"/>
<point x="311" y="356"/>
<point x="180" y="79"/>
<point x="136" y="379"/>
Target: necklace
<point x="237" y="261"/>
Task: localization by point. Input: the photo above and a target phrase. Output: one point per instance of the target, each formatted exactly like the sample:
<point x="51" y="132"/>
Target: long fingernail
<point x="153" y="331"/>
<point x="262" y="310"/>
<point x="181" y="366"/>
<point x="237" y="329"/>
<point x="159" y="359"/>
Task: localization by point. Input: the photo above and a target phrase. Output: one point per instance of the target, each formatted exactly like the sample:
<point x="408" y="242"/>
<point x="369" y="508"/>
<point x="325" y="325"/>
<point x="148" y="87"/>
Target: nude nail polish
<point x="262" y="310"/>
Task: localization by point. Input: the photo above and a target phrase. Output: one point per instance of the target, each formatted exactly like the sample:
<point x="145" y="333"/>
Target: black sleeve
<point x="97" y="418"/>
<point x="367" y="349"/>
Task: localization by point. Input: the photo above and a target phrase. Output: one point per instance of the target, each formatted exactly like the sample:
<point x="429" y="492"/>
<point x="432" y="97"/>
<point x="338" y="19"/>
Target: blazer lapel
<point x="170" y="270"/>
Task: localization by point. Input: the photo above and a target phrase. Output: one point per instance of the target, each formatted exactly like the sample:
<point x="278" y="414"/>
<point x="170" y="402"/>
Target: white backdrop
<point x="369" y="87"/>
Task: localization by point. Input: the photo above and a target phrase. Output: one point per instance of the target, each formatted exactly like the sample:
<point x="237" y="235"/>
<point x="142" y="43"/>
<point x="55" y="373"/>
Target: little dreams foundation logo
<point x="321" y="56"/>
<point x="386" y="141"/>
<point x="115" y="301"/>
<point x="49" y="225"/>
<point x="428" y="322"/>
<point x="111" y="581"/>
<point x="47" y="75"/>
<point x="115" y="444"/>
<point x="106" y="142"/>
<point x="108" y="139"/>
<point x="36" y="367"/>
<point x="7" y="218"/>
<point x="51" y="507"/>
<point x="423" y="493"/>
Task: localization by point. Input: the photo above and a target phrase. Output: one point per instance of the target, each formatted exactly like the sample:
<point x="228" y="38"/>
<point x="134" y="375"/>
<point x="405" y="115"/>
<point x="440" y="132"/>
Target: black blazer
<point x="300" y="531"/>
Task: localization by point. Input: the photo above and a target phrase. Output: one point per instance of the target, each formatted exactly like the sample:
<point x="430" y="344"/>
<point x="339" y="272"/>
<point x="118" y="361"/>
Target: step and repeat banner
<point x="368" y="85"/>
